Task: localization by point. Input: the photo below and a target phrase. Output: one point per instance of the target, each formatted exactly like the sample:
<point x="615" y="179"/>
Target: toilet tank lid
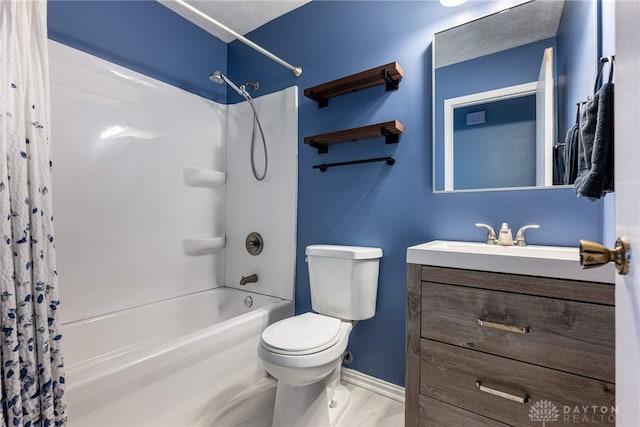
<point x="350" y="252"/>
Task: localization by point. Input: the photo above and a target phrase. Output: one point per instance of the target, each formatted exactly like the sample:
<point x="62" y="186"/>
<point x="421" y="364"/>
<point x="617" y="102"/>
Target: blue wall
<point x="499" y="152"/>
<point x="375" y="204"/>
<point x="575" y="64"/>
<point x="143" y="36"/>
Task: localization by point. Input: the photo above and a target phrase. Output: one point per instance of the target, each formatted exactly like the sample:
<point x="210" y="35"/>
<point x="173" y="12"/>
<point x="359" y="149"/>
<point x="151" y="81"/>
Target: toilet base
<point x="341" y="397"/>
<point x="309" y="405"/>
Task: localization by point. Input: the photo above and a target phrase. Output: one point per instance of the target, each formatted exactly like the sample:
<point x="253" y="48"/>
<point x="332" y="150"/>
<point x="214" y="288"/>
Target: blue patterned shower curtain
<point x="31" y="367"/>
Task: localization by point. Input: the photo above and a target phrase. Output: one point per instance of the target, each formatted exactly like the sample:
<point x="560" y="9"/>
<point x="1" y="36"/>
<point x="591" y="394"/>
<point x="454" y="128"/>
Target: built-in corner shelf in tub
<point x="203" y="246"/>
<point x="199" y="177"/>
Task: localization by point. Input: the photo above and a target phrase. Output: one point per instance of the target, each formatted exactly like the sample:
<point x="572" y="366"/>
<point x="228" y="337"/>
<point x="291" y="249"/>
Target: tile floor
<point x="368" y="409"/>
<point x="254" y="408"/>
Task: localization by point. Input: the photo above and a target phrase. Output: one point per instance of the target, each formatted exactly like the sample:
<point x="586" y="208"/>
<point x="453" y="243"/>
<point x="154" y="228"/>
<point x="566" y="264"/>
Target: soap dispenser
<point x="505" y="237"/>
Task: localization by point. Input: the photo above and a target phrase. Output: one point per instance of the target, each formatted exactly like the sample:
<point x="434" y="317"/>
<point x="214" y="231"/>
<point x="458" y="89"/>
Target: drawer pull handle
<point x="502" y="326"/>
<point x="502" y="394"/>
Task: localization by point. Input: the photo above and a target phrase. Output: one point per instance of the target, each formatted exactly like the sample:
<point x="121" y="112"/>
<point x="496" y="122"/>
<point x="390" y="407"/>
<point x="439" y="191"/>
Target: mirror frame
<point x="595" y="13"/>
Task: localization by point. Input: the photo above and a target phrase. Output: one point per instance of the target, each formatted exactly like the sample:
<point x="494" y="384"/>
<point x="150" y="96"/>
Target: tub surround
<point x="157" y="180"/>
<point x="121" y="141"/>
<point x="135" y="235"/>
<point x="268" y="207"/>
<point x="200" y="177"/>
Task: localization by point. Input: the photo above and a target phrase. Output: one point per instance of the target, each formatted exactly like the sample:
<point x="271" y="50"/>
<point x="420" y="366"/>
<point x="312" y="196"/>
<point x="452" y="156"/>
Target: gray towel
<point x="595" y="148"/>
<point x="558" y="164"/>
<point x="571" y="153"/>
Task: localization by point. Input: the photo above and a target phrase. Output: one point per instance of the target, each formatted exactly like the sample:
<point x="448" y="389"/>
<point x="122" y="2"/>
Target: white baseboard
<point x="373" y="384"/>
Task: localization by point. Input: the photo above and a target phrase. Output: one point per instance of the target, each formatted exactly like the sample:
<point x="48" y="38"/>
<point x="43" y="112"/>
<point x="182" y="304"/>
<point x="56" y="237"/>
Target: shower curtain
<point x="31" y="367"/>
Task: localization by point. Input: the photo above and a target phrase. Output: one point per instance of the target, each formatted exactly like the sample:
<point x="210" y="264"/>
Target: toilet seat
<point x="307" y="333"/>
<point x="313" y="360"/>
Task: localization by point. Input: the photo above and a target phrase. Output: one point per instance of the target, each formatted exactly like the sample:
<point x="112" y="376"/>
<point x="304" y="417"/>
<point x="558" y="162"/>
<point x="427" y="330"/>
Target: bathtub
<point x="167" y="363"/>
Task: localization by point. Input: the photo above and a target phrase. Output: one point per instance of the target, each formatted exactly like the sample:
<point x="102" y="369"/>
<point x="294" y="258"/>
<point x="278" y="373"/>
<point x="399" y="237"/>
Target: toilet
<point x="304" y="353"/>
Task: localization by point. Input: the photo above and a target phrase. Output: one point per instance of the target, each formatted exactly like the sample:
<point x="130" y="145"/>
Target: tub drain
<point x="248" y="302"/>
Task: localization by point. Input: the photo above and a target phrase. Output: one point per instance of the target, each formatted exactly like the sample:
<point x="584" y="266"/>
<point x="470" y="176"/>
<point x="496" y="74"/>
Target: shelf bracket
<point x="390" y="84"/>
<point x="322" y="149"/>
<point x="322" y="102"/>
<point x="389" y="138"/>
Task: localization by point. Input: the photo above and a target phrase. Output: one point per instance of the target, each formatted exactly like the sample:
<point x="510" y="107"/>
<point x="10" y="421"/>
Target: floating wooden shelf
<point x="389" y="75"/>
<point x="389" y="130"/>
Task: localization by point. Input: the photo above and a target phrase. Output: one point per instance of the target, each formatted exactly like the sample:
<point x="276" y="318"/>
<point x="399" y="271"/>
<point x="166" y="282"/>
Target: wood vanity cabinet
<point x="496" y="349"/>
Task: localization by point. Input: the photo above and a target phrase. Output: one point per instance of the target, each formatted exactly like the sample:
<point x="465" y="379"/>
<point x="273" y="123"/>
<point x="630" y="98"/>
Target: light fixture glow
<point x="113" y="131"/>
<point x="452" y="3"/>
<point x="117" y="131"/>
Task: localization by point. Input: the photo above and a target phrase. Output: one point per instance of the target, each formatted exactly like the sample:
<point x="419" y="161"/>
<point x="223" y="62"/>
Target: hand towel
<point x="571" y="151"/>
<point x="558" y="164"/>
<point x="595" y="148"/>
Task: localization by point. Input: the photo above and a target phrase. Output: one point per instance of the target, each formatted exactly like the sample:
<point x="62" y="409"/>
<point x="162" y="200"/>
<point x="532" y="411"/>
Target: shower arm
<point x="241" y="90"/>
<point x="297" y="71"/>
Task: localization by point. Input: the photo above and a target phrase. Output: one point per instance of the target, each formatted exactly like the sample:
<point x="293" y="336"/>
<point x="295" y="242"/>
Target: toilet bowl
<point x="309" y="390"/>
<point x="301" y="366"/>
<point x="304" y="353"/>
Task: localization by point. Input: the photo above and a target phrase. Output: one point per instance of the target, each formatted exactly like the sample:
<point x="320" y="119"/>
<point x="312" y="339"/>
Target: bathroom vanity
<point x="507" y="336"/>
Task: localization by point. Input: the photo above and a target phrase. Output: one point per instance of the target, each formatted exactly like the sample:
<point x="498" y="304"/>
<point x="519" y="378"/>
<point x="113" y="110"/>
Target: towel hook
<point x="604" y="60"/>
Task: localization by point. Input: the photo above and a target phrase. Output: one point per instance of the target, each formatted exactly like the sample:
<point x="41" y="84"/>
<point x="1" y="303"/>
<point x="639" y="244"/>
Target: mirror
<point x="505" y="89"/>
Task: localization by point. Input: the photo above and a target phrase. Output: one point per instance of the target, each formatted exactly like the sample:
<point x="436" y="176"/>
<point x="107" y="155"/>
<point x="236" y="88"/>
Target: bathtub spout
<point x="248" y="279"/>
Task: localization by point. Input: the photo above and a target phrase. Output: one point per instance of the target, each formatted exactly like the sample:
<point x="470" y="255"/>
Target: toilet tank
<point x="343" y="280"/>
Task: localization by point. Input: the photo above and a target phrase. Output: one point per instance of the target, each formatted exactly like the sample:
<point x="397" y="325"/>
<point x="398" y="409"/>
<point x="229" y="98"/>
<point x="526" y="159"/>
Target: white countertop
<point x="545" y="261"/>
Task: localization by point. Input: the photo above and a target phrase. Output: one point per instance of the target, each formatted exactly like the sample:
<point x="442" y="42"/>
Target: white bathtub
<point x="167" y="363"/>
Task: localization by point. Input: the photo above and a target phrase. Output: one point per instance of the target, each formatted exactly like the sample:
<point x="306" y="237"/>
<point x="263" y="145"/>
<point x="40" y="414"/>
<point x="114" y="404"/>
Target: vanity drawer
<point x="435" y="413"/>
<point x="571" y="336"/>
<point x="594" y="292"/>
<point x="452" y="374"/>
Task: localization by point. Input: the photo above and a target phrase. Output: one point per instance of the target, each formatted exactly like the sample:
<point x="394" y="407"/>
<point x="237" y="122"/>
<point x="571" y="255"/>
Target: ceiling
<point x="239" y="15"/>
<point x="517" y="26"/>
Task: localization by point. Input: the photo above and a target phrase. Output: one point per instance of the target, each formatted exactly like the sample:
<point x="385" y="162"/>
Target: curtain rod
<point x="297" y="71"/>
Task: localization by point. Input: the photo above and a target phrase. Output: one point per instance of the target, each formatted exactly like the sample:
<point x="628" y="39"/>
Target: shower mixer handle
<point x="254" y="243"/>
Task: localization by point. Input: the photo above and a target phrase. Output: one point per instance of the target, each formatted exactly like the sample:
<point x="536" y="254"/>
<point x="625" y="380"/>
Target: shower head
<point x="218" y="77"/>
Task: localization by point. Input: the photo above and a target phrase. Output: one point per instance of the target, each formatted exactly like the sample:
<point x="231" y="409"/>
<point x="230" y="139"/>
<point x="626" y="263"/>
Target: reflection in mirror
<point x="505" y="91"/>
